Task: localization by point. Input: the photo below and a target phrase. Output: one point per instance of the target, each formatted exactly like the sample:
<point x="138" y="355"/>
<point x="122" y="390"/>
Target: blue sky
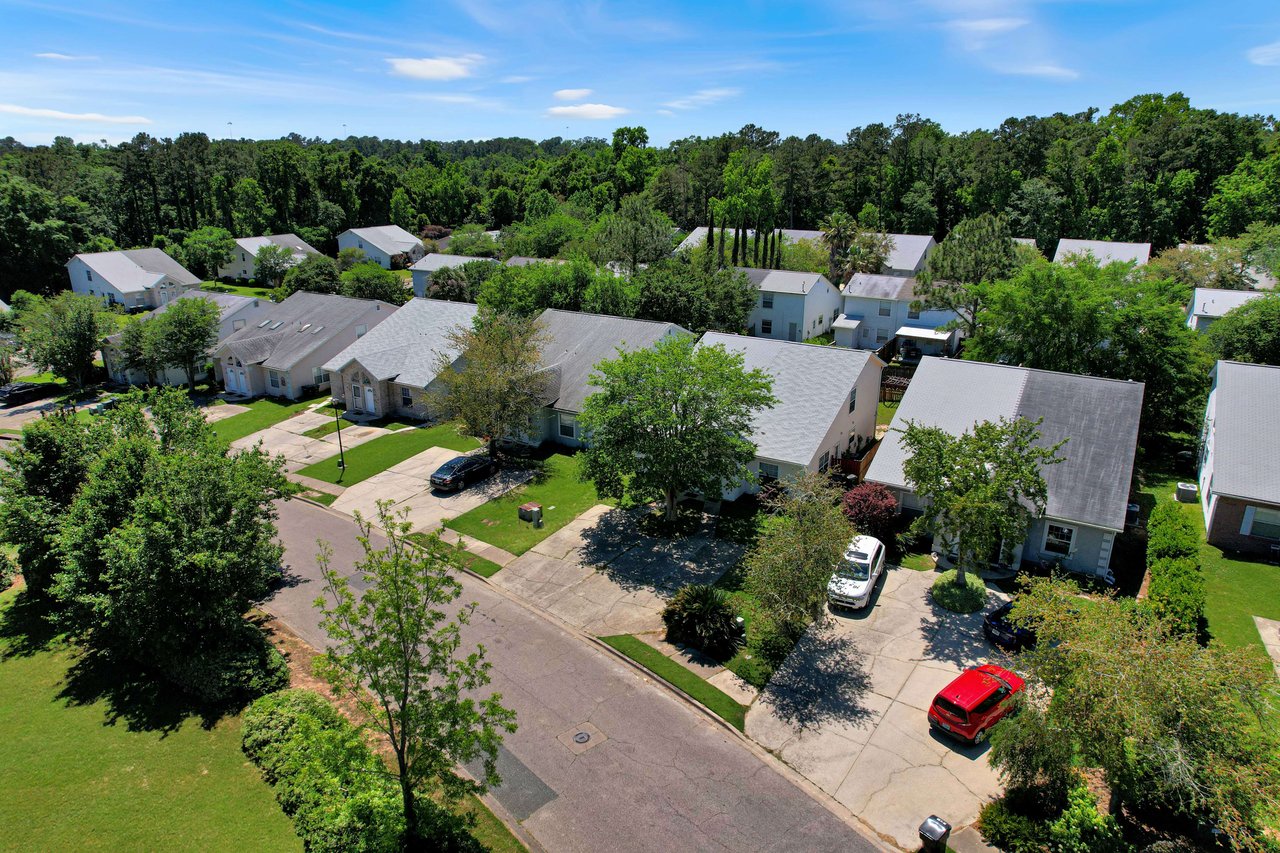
<point x="538" y="68"/>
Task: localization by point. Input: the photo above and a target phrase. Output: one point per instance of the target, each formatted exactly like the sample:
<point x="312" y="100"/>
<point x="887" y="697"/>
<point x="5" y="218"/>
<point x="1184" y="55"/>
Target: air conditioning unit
<point x="1186" y="493"/>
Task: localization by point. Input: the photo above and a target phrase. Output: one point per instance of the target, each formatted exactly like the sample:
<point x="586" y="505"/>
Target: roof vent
<point x="264" y="322"/>
<point x="316" y="330"/>
<point x="277" y="324"/>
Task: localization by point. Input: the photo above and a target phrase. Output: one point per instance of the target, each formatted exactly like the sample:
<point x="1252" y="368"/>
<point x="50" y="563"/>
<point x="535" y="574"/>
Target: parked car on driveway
<point x="22" y="392"/>
<point x="856" y="576"/>
<point x="1003" y="633"/>
<point x="461" y="471"/>
<point x="976" y="700"/>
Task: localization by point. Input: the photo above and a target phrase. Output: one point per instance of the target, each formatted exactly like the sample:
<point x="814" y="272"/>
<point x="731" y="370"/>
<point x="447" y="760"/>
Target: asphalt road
<point x="655" y="774"/>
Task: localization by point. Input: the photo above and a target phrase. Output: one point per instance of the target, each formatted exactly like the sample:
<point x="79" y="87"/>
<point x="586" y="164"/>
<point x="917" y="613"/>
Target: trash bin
<point x="531" y="512"/>
<point x="934" y="833"/>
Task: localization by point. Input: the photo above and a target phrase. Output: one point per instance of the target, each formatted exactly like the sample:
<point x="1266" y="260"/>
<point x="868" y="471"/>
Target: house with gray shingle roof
<point x="575" y="342"/>
<point x="878" y="308"/>
<point x="242" y="263"/>
<point x="906" y="257"/>
<point x="1209" y="304"/>
<point x="827" y="398"/>
<point x="1239" y="463"/>
<point x="1088" y="492"/>
<point x="1103" y="251"/>
<point x="392" y="369"/>
<point x="137" y="279"/>
<point x="388" y="246"/>
<point x="283" y="354"/>
<point x="791" y="306"/>
<point x="428" y="265"/>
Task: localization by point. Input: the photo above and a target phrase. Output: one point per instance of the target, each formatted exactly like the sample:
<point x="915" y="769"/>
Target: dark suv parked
<point x="461" y="471"/>
<point x="21" y="392"/>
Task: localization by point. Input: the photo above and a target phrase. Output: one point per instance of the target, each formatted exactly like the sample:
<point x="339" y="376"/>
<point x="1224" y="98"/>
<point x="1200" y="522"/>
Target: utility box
<point x="1186" y="493"/>
<point x="934" y="833"/>
<point x="531" y="512"/>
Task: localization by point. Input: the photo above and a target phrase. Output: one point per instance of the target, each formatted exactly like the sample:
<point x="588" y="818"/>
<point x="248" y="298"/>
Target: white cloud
<point x="516" y="78"/>
<point x="437" y="67"/>
<point x="1264" y="54"/>
<point x="976" y="34"/>
<point x="588" y="111"/>
<point x="665" y="113"/>
<point x="570" y="94"/>
<point x="702" y="98"/>
<point x="1048" y="70"/>
<point x="59" y="115"/>
<point x="64" y="57"/>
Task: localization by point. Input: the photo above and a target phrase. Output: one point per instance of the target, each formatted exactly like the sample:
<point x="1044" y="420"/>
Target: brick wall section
<point x="1224" y="531"/>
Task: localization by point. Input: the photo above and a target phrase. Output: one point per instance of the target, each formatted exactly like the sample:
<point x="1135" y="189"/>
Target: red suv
<point x="979" y="698"/>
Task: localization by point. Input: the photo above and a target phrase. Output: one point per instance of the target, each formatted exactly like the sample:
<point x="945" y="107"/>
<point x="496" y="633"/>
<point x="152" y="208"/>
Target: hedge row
<point x="337" y="790"/>
<point x="1177" y="589"/>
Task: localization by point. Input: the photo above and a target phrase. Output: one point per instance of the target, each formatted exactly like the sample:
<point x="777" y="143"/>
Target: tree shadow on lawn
<point x="823" y="680"/>
<point x="26" y="627"/>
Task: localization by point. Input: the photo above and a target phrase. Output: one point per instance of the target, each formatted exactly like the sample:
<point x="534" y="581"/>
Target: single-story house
<point x="878" y="308"/>
<point x="235" y="313"/>
<point x="385" y="245"/>
<point x="426" y="266"/>
<point x="391" y="369"/>
<point x="907" y="256"/>
<point x="137" y="279"/>
<point x="242" y="265"/>
<point x="575" y="343"/>
<point x="827" y="398"/>
<point x="1208" y="304"/>
<point x="284" y="353"/>
<point x="1088" y="493"/>
<point x="1239" y="463"/>
<point x="1103" y="251"/>
<point x="792" y="306"/>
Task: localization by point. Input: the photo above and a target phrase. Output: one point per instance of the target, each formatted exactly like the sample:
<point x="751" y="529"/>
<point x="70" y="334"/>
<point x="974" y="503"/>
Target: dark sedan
<point x="1004" y="633"/>
<point x="22" y="392"/>
<point x="461" y="471"/>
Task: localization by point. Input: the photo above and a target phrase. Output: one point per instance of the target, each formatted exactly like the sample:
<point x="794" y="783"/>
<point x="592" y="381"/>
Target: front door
<point x="791" y="331"/>
<point x="368" y="400"/>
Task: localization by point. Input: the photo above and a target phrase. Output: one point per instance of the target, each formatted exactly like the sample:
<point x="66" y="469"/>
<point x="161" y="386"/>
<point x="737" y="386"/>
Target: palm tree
<point x="839" y="230"/>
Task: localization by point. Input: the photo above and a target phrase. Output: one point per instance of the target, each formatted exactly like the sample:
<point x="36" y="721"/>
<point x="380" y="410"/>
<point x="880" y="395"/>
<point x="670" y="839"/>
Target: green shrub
<point x="1170" y="534"/>
<point x="959" y="599"/>
<point x="1010" y="831"/>
<point x="247" y="668"/>
<point x="1083" y="829"/>
<point x="700" y="615"/>
<point x="1177" y="593"/>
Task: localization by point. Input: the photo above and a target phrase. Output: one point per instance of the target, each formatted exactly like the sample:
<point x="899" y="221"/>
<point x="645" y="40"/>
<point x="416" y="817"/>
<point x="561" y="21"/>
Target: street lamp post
<point x="342" y="458"/>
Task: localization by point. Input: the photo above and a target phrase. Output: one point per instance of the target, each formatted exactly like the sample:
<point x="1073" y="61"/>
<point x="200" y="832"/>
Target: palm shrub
<point x="700" y="615"/>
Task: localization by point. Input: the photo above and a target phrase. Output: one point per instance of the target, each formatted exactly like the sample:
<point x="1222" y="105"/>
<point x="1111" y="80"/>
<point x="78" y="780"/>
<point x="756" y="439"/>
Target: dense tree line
<point x="1154" y="169"/>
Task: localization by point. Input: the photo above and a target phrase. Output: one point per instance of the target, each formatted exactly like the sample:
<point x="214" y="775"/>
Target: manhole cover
<point x="581" y="737"/>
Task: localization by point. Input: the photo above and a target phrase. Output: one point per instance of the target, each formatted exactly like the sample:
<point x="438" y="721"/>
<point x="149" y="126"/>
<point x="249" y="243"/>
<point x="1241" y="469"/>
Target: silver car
<point x="854" y="579"/>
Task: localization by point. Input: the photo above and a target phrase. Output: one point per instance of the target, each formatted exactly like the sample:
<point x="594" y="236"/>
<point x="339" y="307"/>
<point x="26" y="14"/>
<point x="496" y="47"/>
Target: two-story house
<point x="428" y="265"/>
<point x="387" y="246"/>
<point x="242" y="263"/>
<point x="137" y="279"/>
<point x="791" y="306"/>
<point x="878" y="308"/>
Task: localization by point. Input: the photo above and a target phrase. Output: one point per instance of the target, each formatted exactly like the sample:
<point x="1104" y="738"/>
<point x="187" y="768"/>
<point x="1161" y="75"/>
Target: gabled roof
<point x="1211" y="302"/>
<point x="893" y="287"/>
<point x="1246" y="431"/>
<point x="812" y="384"/>
<point x="909" y="251"/>
<point x="698" y="236"/>
<point x="437" y="260"/>
<point x="522" y="261"/>
<point x="227" y="304"/>
<point x="407" y="345"/>
<point x="576" y="342"/>
<point x="1103" y="251"/>
<point x="391" y="239"/>
<point x="136" y="270"/>
<point x="1098" y="416"/>
<point x="300" y="247"/>
<point x="292" y="329"/>
<point x="785" y="281"/>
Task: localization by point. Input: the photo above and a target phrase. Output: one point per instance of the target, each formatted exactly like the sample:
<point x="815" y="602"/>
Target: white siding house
<point x="426" y="266"/>
<point x="1103" y="251"/>
<point x="826" y="405"/>
<point x="878" y="308"/>
<point x="792" y="306"/>
<point x="242" y="265"/>
<point x="1209" y="304"/>
<point x="383" y="244"/>
<point x="137" y="279"/>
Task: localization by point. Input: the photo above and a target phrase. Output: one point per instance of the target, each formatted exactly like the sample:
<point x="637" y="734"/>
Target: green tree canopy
<point x="682" y="292"/>
<point x="961" y="269"/>
<point x="370" y="281"/>
<point x="208" y="248"/>
<point x="62" y="334"/>
<point x="272" y="262"/>
<point x="1249" y="333"/>
<point x="314" y="274"/>
<point x="671" y="419"/>
<point x="185" y="333"/>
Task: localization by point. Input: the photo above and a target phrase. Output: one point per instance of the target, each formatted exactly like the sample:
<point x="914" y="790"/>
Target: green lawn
<point x="330" y="427"/>
<point x="885" y="413"/>
<point x="563" y="495"/>
<point x="474" y="562"/>
<point x="676" y="675"/>
<point x="238" y="289"/>
<point x="374" y="457"/>
<point x="263" y="412"/>
<point x="79" y="776"/>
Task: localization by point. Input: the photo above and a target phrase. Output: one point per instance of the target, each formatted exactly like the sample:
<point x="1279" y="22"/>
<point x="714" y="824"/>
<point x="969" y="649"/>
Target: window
<point x="853" y="399"/>
<point x="361" y="330"/>
<point x="319" y="377"/>
<point x="768" y="471"/>
<point x="886" y="308"/>
<point x="1057" y="539"/>
<point x="361" y="242"/>
<point x="568" y="426"/>
<point x="913" y="311"/>
<point x="824" y="461"/>
<point x="766" y="300"/>
<point x="88" y="274"/>
<point x="1265" y="522"/>
<point x="274" y="378"/>
<point x="237" y="325"/>
<point x="406" y="398"/>
<point x="866" y="331"/>
<point x="882" y="336"/>
<point x="766" y="327"/>
<point x="242" y="257"/>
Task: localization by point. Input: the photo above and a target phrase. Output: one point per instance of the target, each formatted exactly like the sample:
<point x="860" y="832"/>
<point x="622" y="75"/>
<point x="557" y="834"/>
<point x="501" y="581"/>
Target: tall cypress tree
<point x="711" y="230"/>
<point x="777" y="249"/>
<point x="736" y="230"/>
<point x="755" y="247"/>
<point x="720" y="254"/>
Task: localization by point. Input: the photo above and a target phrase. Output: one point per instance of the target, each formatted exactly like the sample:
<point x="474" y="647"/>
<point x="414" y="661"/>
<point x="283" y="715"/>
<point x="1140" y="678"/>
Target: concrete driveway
<point x="286" y="439"/>
<point x="848" y="710"/>
<point x="408" y="484"/>
<point x="602" y="575"/>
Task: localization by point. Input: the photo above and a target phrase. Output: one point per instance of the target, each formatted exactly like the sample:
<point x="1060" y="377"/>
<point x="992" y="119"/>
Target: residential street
<point x="655" y="775"/>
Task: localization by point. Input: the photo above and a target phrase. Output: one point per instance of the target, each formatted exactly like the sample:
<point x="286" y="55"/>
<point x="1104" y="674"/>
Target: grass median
<point x="723" y="705"/>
